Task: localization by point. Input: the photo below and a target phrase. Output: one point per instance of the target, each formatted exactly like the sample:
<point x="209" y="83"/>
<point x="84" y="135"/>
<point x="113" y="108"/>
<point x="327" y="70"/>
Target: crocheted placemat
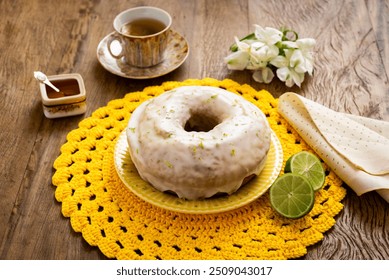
<point x="125" y="227"/>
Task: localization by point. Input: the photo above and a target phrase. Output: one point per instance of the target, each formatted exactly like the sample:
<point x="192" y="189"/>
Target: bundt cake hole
<point x="201" y="122"/>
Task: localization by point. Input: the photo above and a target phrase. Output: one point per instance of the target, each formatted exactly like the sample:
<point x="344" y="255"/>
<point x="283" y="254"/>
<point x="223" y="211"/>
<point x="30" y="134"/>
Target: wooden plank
<point x="348" y="74"/>
<point x="19" y="103"/>
<point x="51" y="44"/>
<point x="80" y="34"/>
<point x="378" y="12"/>
<point x="348" y="67"/>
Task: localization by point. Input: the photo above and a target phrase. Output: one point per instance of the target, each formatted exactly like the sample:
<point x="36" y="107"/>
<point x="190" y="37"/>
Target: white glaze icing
<point x="198" y="164"/>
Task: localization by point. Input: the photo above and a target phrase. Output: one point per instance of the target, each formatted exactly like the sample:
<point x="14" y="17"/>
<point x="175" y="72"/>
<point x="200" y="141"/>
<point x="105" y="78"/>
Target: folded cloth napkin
<point x="355" y="148"/>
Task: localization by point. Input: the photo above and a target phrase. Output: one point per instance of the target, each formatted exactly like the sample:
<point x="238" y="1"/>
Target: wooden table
<point x="55" y="37"/>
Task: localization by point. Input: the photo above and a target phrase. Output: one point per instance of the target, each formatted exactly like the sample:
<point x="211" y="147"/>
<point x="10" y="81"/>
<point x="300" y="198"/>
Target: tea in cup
<point x="142" y="35"/>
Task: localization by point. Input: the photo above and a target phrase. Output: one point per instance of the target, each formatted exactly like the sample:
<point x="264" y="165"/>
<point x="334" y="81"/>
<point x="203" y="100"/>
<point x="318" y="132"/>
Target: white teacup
<point x="141" y="36"/>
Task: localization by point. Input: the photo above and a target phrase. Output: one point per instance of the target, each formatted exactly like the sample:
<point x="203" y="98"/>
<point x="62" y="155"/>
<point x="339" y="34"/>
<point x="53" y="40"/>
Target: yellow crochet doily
<point x="125" y="227"/>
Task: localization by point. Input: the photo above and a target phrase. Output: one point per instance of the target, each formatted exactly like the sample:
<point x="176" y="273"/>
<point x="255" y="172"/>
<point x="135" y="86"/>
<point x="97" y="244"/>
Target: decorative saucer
<point x="248" y="193"/>
<point x="176" y="53"/>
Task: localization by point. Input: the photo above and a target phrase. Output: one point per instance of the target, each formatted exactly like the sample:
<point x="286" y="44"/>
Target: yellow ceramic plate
<point x="246" y="194"/>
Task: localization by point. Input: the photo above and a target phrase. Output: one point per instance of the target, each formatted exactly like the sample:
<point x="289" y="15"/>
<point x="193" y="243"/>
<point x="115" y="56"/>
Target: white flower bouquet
<point x="269" y="48"/>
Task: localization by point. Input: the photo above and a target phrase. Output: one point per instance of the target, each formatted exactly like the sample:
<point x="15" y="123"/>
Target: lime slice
<point x="292" y="196"/>
<point x="309" y="166"/>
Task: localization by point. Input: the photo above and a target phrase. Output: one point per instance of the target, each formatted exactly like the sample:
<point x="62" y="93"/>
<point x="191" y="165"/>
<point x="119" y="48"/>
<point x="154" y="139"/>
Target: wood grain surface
<point x="55" y="37"/>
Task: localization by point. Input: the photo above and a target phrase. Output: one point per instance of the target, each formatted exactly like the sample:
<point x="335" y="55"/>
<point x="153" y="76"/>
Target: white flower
<point x="282" y="61"/>
<point x="263" y="49"/>
<point x="268" y="46"/>
<point x="238" y="60"/>
<point x="289" y="45"/>
<point x="286" y="71"/>
<point x="267" y="35"/>
<point x="264" y="75"/>
<point x="258" y="56"/>
<point x="303" y="57"/>
<point x="255" y="63"/>
<point x="290" y="76"/>
<point x="264" y="52"/>
<point x="298" y="62"/>
<point x="242" y="46"/>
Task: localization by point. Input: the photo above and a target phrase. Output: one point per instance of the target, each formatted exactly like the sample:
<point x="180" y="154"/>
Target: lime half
<point x="309" y="166"/>
<point x="292" y="196"/>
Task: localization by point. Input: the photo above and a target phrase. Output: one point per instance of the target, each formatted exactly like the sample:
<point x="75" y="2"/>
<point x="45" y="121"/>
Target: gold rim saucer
<point x="246" y="194"/>
<point x="176" y="53"/>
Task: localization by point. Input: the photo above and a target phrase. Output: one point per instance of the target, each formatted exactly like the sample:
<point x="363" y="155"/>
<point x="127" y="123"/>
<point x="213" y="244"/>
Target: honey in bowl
<point x="67" y="87"/>
<point x="69" y="101"/>
<point x="142" y="27"/>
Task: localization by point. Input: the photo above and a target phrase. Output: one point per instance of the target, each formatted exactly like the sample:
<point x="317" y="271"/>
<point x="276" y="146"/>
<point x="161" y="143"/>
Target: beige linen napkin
<point x="355" y="148"/>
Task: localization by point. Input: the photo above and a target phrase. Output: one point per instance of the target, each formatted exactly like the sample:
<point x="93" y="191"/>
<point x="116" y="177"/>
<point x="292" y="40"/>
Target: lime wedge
<point x="292" y="196"/>
<point x="307" y="165"/>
